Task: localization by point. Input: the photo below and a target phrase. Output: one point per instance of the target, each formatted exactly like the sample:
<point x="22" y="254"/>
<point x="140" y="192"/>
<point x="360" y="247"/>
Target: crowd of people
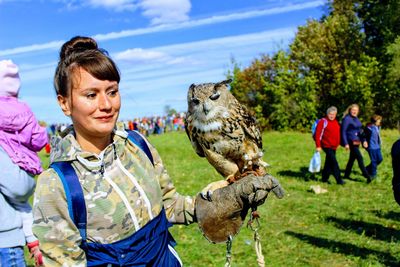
<point x="145" y="125"/>
<point x="106" y="198"/>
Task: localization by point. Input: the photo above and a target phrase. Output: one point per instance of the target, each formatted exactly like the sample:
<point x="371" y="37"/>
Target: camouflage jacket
<point x="122" y="191"/>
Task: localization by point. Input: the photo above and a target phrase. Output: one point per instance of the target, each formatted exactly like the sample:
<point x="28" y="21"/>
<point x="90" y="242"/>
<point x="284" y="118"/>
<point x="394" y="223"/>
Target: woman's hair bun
<point x="77" y="44"/>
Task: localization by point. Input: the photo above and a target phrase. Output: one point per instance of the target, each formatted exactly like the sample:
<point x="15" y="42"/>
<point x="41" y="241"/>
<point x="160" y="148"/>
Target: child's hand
<point x="35" y="253"/>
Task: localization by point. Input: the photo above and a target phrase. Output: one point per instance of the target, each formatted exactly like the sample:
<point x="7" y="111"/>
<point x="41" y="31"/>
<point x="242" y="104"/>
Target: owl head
<point x="208" y="101"/>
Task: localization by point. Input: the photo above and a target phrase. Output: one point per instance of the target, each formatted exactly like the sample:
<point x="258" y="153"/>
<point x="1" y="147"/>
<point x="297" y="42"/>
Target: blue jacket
<point x="15" y="186"/>
<point x="350" y="130"/>
<point x="373" y="137"/>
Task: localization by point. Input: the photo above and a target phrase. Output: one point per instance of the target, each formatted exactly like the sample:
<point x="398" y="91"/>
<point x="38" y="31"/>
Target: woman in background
<point x="351" y="138"/>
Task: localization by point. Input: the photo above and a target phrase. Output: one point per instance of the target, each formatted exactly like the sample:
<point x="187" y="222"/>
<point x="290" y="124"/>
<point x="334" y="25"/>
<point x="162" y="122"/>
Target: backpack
<point x="73" y="189"/>
<point x="314" y="127"/>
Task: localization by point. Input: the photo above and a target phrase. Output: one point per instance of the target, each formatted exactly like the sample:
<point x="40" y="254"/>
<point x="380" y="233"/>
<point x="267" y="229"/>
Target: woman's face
<point x="354" y="111"/>
<point x="93" y="105"/>
<point x="332" y="115"/>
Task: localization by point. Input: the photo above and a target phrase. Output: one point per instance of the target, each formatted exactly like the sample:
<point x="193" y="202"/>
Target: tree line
<point x="350" y="55"/>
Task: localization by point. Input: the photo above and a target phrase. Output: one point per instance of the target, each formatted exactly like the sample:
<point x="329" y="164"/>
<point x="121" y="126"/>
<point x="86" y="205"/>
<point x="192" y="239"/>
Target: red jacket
<point x="328" y="137"/>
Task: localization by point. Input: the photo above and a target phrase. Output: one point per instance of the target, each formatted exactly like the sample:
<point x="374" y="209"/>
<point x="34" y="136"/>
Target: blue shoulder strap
<point x="73" y="188"/>
<point x="138" y="140"/>
<point x="74" y="194"/>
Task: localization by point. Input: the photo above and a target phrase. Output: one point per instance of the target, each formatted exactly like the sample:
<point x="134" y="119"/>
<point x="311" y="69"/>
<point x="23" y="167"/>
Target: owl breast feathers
<point x="223" y="131"/>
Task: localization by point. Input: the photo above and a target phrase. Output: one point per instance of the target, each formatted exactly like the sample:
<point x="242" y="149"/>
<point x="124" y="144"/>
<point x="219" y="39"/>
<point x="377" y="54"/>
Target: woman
<point x="327" y="138"/>
<point x="351" y="137"/>
<point x="107" y="198"/>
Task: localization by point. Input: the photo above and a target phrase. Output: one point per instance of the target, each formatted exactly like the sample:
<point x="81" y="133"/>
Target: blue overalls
<point x="152" y="245"/>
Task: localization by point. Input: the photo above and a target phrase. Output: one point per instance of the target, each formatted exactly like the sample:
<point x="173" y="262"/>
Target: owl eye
<point x="195" y="101"/>
<point x="215" y="96"/>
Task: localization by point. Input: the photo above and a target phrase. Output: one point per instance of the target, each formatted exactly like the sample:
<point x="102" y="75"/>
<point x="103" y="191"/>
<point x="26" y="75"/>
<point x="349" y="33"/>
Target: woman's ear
<point x="64" y="103"/>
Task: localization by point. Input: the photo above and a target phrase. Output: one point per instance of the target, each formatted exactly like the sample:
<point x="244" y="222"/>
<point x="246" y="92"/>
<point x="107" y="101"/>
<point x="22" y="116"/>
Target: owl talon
<point x="207" y="195"/>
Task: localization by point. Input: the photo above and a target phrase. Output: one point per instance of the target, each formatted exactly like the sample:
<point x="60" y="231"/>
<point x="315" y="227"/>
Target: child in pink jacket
<point x="21" y="137"/>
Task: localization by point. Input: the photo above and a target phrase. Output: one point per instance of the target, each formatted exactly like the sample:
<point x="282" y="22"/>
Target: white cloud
<point x="140" y="55"/>
<point x="31" y="48"/>
<point x="117" y="5"/>
<point x="165" y="11"/>
<point x="209" y="21"/>
<point x="171" y="27"/>
<point x="146" y="56"/>
<point x="158" y="11"/>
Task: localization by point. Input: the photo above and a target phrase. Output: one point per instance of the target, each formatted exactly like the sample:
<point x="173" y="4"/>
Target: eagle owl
<point x="223" y="131"/>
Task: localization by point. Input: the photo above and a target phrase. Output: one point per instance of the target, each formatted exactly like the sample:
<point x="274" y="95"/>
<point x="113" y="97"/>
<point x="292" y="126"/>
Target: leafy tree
<point x="392" y="116"/>
<point x="329" y="50"/>
<point x="292" y="95"/>
<point x="351" y="55"/>
<point x="247" y="86"/>
<point x="381" y="25"/>
<point x="282" y="98"/>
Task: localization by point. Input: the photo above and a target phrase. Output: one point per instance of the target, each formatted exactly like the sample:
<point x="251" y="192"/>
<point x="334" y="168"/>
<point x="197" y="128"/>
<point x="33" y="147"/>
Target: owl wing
<point x="195" y="144"/>
<point x="249" y="125"/>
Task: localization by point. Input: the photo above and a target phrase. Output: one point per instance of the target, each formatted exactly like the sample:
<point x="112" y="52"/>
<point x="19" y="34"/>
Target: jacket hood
<point x="66" y="148"/>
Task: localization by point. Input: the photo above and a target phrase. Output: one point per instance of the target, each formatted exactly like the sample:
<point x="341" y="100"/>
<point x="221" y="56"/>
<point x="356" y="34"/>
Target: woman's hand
<point x="365" y="144"/>
<point x="347" y="147"/>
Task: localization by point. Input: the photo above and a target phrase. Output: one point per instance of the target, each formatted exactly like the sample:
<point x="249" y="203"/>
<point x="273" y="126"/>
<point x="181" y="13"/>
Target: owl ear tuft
<point x="192" y="86"/>
<point x="225" y="82"/>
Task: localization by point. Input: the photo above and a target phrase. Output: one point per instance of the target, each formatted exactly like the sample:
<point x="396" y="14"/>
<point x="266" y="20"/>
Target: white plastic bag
<point x="315" y="163"/>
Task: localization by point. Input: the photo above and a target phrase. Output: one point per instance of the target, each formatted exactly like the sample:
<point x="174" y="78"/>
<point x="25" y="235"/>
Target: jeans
<point x="376" y="158"/>
<point x="12" y="257"/>
<point x="355" y="154"/>
<point x="331" y="166"/>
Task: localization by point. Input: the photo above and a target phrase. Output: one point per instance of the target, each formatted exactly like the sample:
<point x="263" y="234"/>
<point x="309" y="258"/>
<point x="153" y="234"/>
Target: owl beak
<point x="205" y="108"/>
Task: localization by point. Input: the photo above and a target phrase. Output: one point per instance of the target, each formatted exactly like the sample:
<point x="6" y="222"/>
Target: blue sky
<point x="160" y="46"/>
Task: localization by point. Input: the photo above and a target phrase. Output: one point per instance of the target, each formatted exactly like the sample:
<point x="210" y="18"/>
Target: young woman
<point x="351" y="138"/>
<point x="107" y="199"/>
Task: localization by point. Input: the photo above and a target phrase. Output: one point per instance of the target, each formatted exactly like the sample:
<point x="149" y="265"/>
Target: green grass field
<point x="352" y="225"/>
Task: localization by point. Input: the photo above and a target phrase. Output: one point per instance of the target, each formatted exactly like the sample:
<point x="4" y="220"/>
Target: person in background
<point x="327" y="138"/>
<point x="373" y="138"/>
<point x="396" y="168"/>
<point x="21" y="137"/>
<point x="127" y="199"/>
<point x="351" y="138"/>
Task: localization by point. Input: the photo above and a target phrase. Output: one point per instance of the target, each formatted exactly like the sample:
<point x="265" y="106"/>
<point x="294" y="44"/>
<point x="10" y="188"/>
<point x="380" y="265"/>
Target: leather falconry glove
<point x="221" y="214"/>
